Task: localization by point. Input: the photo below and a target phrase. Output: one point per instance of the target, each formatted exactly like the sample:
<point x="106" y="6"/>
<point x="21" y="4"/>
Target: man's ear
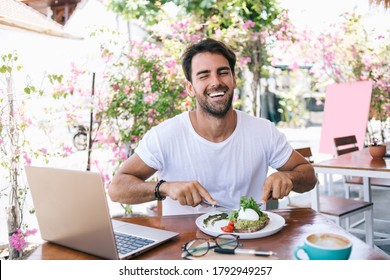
<point x="190" y="89"/>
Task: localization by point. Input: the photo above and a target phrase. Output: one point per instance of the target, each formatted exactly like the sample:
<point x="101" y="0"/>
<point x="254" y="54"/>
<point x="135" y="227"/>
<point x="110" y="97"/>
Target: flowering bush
<point x="18" y="239"/>
<point x="145" y="87"/>
<point x="140" y="87"/>
<point x="15" y="149"/>
<point x="346" y="52"/>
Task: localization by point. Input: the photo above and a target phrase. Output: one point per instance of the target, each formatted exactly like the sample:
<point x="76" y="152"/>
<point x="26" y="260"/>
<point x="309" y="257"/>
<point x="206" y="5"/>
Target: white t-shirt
<point x="228" y="170"/>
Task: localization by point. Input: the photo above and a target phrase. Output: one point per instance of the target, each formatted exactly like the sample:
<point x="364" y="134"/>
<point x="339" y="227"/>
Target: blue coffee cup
<point x="325" y="246"/>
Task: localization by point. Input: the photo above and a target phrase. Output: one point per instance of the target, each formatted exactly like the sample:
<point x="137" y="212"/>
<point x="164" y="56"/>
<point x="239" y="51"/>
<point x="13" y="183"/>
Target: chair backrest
<point x="306" y="153"/>
<point x="346" y="144"/>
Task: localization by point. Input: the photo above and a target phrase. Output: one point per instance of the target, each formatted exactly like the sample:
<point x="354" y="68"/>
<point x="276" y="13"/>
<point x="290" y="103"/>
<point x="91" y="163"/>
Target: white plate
<point x="275" y="224"/>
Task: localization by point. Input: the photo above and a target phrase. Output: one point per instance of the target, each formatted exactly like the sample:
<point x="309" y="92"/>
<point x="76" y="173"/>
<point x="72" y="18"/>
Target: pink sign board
<point x="345" y="113"/>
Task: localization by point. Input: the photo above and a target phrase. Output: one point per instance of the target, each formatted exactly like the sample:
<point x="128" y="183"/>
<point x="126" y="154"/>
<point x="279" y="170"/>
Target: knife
<point x="217" y="206"/>
<point x="245" y="251"/>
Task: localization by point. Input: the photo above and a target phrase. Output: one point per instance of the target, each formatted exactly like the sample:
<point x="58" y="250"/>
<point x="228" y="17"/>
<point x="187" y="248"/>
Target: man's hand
<point x="276" y="186"/>
<point x="187" y="193"/>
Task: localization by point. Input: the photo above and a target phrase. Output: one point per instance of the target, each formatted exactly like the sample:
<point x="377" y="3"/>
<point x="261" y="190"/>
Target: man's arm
<point x="128" y="186"/>
<point x="296" y="174"/>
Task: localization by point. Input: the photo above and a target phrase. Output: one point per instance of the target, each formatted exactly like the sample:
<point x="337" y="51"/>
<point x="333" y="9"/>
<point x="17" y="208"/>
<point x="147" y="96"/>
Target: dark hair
<point x="207" y="45"/>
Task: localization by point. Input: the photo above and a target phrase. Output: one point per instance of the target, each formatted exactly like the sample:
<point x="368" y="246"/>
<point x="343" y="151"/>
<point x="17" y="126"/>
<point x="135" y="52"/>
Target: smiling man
<point x="214" y="153"/>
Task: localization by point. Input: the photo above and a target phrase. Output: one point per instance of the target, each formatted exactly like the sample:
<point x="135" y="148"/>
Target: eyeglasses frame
<point x="235" y="237"/>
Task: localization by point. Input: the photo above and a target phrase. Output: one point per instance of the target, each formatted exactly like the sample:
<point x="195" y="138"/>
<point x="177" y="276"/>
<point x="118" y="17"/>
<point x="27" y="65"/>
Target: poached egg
<point x="247" y="214"/>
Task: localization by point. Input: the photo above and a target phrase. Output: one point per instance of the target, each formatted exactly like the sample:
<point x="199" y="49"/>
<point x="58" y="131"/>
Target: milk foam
<point x="328" y="241"/>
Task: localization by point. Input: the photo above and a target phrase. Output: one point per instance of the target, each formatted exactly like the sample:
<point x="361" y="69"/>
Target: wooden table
<point x="299" y="223"/>
<point x="361" y="164"/>
<point x="358" y="163"/>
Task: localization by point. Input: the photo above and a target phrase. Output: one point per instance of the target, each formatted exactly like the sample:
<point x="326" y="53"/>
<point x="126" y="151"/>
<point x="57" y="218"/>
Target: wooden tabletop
<point x="299" y="223"/>
<point x="359" y="160"/>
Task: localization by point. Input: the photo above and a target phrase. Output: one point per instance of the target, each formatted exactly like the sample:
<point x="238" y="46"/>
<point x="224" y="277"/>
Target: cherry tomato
<point x="227" y="228"/>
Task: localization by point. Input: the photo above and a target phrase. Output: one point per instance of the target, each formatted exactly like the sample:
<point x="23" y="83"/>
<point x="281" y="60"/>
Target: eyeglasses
<point x="200" y="246"/>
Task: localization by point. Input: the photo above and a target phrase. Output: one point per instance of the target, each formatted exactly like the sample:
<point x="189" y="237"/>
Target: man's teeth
<point x="216" y="94"/>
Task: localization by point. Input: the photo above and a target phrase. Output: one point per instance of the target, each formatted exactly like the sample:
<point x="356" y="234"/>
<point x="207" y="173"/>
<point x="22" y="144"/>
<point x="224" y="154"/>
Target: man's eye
<point x="203" y="77"/>
<point x="223" y="73"/>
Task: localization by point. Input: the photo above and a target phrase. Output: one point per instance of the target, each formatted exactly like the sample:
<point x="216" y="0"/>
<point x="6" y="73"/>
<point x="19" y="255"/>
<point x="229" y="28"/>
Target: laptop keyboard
<point x="127" y="243"/>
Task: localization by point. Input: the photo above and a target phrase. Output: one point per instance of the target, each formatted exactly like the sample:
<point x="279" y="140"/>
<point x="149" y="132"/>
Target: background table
<point x="358" y="163"/>
<point x="361" y="164"/>
<point x="299" y="223"/>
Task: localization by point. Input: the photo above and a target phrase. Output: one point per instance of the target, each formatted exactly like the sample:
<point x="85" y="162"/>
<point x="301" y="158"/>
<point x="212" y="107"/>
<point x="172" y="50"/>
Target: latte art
<point x="328" y="241"/>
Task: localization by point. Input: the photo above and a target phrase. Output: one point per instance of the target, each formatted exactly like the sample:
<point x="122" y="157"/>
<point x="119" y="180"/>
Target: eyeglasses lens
<point x="226" y="241"/>
<point x="198" y="247"/>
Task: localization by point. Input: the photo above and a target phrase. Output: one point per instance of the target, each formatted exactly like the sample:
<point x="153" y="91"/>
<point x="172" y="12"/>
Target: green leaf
<point x="250" y="204"/>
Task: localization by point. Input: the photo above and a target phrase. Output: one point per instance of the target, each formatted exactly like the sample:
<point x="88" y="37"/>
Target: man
<point x="214" y="153"/>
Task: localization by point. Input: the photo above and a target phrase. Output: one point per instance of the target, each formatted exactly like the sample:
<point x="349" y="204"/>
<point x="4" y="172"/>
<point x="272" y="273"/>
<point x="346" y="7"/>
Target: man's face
<point x="212" y="83"/>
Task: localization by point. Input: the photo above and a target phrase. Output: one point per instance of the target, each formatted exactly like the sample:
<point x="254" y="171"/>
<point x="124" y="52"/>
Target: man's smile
<point x="216" y="94"/>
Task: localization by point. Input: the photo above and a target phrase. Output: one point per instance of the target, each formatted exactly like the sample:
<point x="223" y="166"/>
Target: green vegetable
<point x="213" y="218"/>
<point x="248" y="224"/>
<point x="250" y="204"/>
<point x="246" y="203"/>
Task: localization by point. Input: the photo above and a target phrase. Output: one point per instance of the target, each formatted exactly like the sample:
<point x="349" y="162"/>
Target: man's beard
<point x="216" y="110"/>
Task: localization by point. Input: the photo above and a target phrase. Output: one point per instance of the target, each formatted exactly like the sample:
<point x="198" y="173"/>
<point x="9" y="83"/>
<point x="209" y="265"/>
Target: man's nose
<point x="215" y="80"/>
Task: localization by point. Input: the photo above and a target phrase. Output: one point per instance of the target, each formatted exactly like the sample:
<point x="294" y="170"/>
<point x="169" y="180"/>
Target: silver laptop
<point x="72" y="210"/>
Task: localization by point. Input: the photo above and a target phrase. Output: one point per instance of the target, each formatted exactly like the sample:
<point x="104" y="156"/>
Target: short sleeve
<point x="149" y="150"/>
<point x="281" y="149"/>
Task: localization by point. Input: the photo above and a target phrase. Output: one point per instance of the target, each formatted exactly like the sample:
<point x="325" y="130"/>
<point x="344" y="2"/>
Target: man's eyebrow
<point x="223" y="68"/>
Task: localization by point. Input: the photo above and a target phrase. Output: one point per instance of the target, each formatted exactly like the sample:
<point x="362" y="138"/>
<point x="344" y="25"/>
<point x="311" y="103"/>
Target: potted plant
<point x="377" y="150"/>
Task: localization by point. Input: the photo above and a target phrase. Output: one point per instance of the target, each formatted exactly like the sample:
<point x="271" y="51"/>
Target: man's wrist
<point x="157" y="193"/>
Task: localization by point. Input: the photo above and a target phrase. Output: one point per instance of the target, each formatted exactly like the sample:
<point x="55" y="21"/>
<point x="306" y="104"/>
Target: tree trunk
<point x="13" y="214"/>
<point x="256" y="82"/>
<point x="13" y="223"/>
<point x="254" y="88"/>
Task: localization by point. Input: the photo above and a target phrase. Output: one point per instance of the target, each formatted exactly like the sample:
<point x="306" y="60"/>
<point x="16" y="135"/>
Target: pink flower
<point x="248" y="24"/>
<point x="245" y="60"/>
<point x="115" y="87"/>
<point x="126" y="89"/>
<point x="122" y="154"/>
<point x="18" y="240"/>
<point x="27" y="158"/>
<point x="294" y="66"/>
<point x="44" y="151"/>
<point x="67" y="151"/>
<point x="150" y="98"/>
<point x="218" y="33"/>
